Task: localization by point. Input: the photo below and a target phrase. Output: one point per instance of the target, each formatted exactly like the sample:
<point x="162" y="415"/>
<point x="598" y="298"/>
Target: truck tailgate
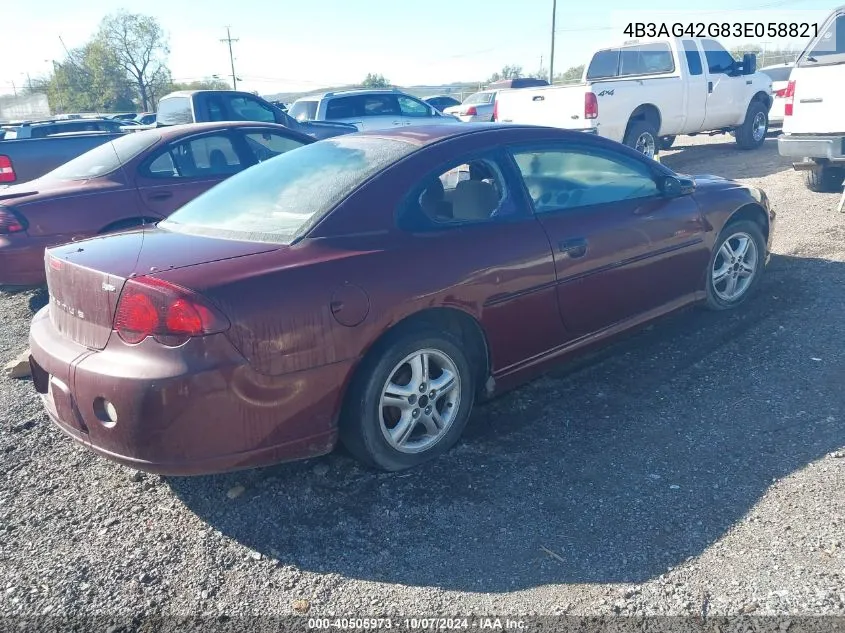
<point x="818" y="103"/>
<point x="555" y="106"/>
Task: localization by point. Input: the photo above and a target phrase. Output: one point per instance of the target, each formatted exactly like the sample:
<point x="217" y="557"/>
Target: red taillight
<point x="471" y="111"/>
<point x="169" y="313"/>
<point x="10" y="222"/>
<point x="7" y="171"/>
<point x="496" y="110"/>
<point x="591" y="106"/>
<point x="789" y="95"/>
<point x="780" y="93"/>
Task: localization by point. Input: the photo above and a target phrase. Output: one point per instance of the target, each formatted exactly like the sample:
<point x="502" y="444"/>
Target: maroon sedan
<point x="370" y="288"/>
<point x="138" y="178"/>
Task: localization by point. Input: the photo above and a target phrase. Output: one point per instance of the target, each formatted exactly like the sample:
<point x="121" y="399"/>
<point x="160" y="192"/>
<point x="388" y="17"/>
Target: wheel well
<point x="754" y="213"/>
<point x="646" y="112"/>
<point x="762" y="96"/>
<point x="452" y="320"/>
<point x="127" y="223"/>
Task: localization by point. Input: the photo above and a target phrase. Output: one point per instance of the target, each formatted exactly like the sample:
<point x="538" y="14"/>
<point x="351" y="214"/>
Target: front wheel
<point x="752" y="133"/>
<point x="736" y="265"/>
<point x="642" y="136"/>
<point x="409" y="402"/>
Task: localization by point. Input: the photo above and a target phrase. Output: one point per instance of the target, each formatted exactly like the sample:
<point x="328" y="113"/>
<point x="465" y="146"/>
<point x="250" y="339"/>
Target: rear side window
<point x="693" y="57"/>
<point x="718" y="59"/>
<point x="604" y="64"/>
<point x="649" y="59"/>
<point x="174" y="111"/>
<point x="246" y="109"/>
<point x="105" y="158"/>
<point x="202" y="157"/>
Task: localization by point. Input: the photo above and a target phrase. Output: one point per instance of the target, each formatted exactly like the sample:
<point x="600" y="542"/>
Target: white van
<point x="814" y="117"/>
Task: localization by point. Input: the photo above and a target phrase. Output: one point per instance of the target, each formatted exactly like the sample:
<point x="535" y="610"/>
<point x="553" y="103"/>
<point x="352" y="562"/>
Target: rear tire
<point x="824" y="179"/>
<point x="734" y="273"/>
<point x="642" y="136"/>
<point x="752" y="133"/>
<point x="391" y="391"/>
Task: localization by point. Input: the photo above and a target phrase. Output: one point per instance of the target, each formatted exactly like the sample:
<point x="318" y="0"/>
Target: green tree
<point x="139" y="44"/>
<point x="375" y="81"/>
<point x="507" y="72"/>
<point x="571" y="74"/>
<point x="202" y="84"/>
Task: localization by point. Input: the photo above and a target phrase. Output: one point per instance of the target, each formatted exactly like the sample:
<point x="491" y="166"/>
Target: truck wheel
<point x="824" y="179"/>
<point x="752" y="133"/>
<point x="666" y="142"/>
<point x="642" y="136"/>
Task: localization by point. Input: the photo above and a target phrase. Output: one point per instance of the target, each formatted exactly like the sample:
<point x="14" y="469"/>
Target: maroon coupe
<point x="370" y="288"/>
<point x="137" y="178"/>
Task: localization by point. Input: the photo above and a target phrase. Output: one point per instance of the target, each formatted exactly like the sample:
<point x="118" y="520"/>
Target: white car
<point x="814" y="121"/>
<point x="779" y="74"/>
<point x="645" y="92"/>
<point x="476" y="107"/>
<point x="369" y="109"/>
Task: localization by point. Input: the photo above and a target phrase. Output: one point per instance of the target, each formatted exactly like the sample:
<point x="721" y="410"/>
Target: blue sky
<point x="298" y="45"/>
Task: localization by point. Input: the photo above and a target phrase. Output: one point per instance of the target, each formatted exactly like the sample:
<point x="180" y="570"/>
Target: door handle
<point x="161" y="195"/>
<point x="573" y="248"/>
<point x="709" y="87"/>
<point x="398" y="123"/>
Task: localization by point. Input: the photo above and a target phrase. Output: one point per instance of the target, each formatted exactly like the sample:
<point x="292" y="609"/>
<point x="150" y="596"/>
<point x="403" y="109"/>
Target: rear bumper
<point x="192" y="410"/>
<point x="826" y="147"/>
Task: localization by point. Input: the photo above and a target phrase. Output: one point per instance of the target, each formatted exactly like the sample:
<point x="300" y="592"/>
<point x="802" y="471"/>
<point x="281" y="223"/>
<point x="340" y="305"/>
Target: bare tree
<point x="140" y="45"/>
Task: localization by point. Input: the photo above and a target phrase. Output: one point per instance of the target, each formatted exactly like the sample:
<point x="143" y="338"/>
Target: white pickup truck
<point x="814" y="114"/>
<point x="645" y="92"/>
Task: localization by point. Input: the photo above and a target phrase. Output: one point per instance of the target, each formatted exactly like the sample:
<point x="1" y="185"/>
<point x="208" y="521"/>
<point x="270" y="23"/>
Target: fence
<point x="32" y="106"/>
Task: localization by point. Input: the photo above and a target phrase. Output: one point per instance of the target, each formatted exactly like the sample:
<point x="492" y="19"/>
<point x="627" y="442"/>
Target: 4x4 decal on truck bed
<point x="605" y="92"/>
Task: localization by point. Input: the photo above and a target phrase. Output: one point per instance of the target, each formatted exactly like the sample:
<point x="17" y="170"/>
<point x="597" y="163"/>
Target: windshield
<point x="280" y="199"/>
<point x="479" y="97"/>
<point x="303" y="110"/>
<point x="105" y="158"/>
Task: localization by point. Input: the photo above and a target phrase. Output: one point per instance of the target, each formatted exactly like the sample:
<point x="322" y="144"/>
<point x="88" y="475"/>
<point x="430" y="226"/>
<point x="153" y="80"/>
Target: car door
<point x="185" y="168"/>
<point x="416" y="112"/>
<point x="695" y="99"/>
<point x="621" y="248"/>
<point x="725" y="103"/>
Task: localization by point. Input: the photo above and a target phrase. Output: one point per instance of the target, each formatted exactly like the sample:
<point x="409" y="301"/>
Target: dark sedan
<point x="134" y="179"/>
<point x="370" y="288"/>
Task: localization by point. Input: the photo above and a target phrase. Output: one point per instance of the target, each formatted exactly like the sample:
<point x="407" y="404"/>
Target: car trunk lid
<point x="85" y="278"/>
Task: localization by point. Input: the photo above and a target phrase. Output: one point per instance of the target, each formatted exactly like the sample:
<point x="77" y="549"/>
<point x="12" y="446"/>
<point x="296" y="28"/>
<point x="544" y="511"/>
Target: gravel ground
<point x="696" y="467"/>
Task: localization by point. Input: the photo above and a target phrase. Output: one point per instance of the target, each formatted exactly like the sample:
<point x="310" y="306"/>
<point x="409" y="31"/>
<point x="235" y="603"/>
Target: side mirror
<point x="749" y="64"/>
<point x="675" y="187"/>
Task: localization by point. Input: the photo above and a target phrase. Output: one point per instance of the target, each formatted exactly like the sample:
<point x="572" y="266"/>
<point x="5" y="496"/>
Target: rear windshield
<point x="479" y="97"/>
<point x="174" y="111"/>
<point x="105" y="158"/>
<point x="829" y="47"/>
<point x="304" y="110"/>
<point x="280" y="199"/>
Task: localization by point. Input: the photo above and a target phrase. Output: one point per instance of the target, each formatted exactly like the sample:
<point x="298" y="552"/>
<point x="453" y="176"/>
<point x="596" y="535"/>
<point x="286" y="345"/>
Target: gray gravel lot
<point x="695" y="467"/>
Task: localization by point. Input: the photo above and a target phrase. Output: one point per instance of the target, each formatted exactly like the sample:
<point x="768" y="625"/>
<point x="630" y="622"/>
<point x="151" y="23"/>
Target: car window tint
<point x="381" y="105"/>
<point x="718" y="59"/>
<point x="266" y="145"/>
<point x="777" y="74"/>
<point x="413" y="108"/>
<point x="204" y="157"/>
<point x="344" y="108"/>
<point x="604" y="64"/>
<point x="693" y="57"/>
<point x="648" y="59"/>
<point x="575" y="177"/>
<point x="174" y="110"/>
<point x="216" y="110"/>
<point x="832" y="40"/>
<point x="246" y="109"/>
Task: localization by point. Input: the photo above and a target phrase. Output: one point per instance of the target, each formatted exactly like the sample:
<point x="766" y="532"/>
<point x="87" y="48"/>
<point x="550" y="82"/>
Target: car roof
<point x="168" y="131"/>
<point x="351" y="92"/>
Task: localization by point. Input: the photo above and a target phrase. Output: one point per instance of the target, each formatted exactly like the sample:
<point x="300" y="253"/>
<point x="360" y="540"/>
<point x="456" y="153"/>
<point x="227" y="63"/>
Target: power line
<point x="229" y="41"/>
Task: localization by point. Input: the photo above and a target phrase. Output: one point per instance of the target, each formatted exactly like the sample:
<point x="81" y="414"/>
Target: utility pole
<point x="29" y="81"/>
<point x="229" y="41"/>
<point x="15" y="89"/>
<point x="552" y="56"/>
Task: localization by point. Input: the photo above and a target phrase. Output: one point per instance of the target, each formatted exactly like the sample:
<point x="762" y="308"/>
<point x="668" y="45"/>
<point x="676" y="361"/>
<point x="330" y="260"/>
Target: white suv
<point x="369" y="109"/>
